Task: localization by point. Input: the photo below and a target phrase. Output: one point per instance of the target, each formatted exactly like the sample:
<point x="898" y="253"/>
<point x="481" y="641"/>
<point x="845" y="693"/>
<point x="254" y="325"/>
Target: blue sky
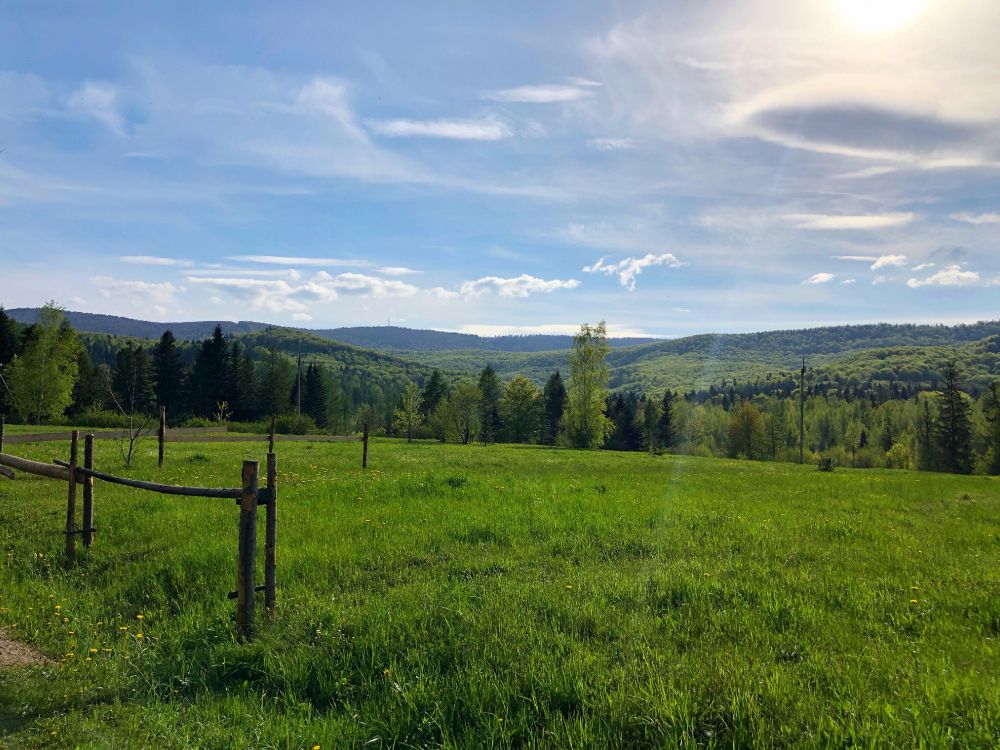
<point x="671" y="167"/>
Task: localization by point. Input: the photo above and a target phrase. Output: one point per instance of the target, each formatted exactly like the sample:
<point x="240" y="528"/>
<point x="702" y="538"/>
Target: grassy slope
<point x="513" y="596"/>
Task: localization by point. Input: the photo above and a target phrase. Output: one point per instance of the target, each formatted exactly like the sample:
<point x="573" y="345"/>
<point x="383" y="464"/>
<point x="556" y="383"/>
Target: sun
<point x="880" y="16"/>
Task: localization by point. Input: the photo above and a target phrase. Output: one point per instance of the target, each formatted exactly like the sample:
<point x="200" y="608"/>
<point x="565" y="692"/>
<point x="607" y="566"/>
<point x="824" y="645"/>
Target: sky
<point x="671" y="167"/>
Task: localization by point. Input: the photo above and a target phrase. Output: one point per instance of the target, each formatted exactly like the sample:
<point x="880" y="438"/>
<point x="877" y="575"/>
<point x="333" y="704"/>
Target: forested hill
<point x="140" y="329"/>
<point x="394" y="338"/>
<point x="389" y="338"/>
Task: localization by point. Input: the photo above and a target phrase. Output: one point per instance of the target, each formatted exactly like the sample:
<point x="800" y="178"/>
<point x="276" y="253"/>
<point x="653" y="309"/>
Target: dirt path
<point x="17" y="654"/>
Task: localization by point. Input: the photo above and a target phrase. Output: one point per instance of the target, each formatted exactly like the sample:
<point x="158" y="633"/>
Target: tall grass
<point x="512" y="597"/>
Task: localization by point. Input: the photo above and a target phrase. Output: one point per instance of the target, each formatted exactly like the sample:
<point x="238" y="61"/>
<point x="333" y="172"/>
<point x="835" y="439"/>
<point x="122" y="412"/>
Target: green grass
<point x="511" y="596"/>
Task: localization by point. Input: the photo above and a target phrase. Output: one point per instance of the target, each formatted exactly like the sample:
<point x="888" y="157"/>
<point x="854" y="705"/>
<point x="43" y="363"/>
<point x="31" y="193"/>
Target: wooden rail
<point x="248" y="496"/>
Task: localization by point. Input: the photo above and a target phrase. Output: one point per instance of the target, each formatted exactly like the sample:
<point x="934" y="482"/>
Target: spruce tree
<point x="489" y="405"/>
<point x="132" y="383"/>
<point x="554" y="399"/>
<point x="314" y="395"/>
<point x="210" y="377"/>
<point x="992" y="411"/>
<point x="435" y="389"/>
<point x="168" y="373"/>
<point x="667" y="436"/>
<point x="953" y="427"/>
<point x="8" y="338"/>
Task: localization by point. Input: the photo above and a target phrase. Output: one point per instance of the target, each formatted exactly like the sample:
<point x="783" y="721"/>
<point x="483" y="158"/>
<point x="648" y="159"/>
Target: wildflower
<point x="315" y="747"/>
<point x="914" y="588"/>
<point x="913" y="601"/>
<point x="385" y="672"/>
<point x="139" y="616"/>
<point x="123" y="627"/>
<point x="138" y="636"/>
<point x="569" y="586"/>
<point x="93" y="650"/>
<point x="106" y="650"/>
<point x="69" y="655"/>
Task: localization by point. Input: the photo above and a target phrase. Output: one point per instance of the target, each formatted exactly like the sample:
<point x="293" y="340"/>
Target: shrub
<point x="825" y="463"/>
<point x="100" y="418"/>
<point x="197" y="422"/>
<point x="294" y="424"/>
<point x="898" y="457"/>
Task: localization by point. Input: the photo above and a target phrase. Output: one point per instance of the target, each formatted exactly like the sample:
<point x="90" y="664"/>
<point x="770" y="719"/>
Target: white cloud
<point x="612" y="144"/>
<point x="302" y="316"/>
<point x="829" y="221"/>
<point x="486" y="129"/>
<point x="885" y="261"/>
<point x="820" y="278"/>
<point x="136" y="292"/>
<point x="396" y="271"/>
<point x="517" y="286"/>
<point x="100" y="102"/>
<point x="626" y="270"/>
<point x="924" y="266"/>
<point x="154" y="260"/>
<point x="848" y="281"/>
<point x="865" y="258"/>
<point x="970" y="218"/>
<point x="542" y="94"/>
<point x="951" y="276"/>
<point x="291" y="260"/>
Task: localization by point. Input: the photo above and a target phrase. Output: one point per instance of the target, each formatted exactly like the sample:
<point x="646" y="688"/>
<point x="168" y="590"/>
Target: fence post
<point x="88" y="492"/>
<point x="271" y="535"/>
<point x="364" y="449"/>
<point x="270" y="440"/>
<point x="246" y="577"/>
<point x="2" y="420"/>
<point x="71" y="498"/>
<point x="162" y="434"/>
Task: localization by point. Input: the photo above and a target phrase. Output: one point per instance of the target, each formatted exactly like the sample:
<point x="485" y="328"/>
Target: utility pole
<point x="802" y="412"/>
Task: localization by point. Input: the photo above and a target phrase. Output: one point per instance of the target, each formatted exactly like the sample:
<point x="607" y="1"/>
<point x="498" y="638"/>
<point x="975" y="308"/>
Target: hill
<point x="390" y="338"/>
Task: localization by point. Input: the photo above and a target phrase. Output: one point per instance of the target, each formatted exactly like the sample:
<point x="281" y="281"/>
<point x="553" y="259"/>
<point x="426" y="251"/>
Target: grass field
<point x="510" y="596"/>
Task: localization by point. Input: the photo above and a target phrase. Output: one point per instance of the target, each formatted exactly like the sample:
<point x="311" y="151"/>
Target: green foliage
<point x="457" y="418"/>
<point x="554" y="399"/>
<point x="408" y="415"/>
<point x="521" y="409"/>
<point x="585" y="423"/>
<point x="491" y="392"/>
<point x="168" y="373"/>
<point x="455" y="596"/>
<point x="953" y="428"/>
<point x="41" y="378"/>
<point x="746" y="437"/>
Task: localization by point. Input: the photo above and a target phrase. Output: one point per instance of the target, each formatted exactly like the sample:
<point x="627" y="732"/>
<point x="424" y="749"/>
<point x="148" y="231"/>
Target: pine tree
<point x="276" y="377"/>
<point x="554" y="399"/>
<point x="491" y="392"/>
<point x="667" y="437"/>
<point x="992" y="410"/>
<point x="92" y="385"/>
<point x="953" y="427"/>
<point x="242" y="383"/>
<point x="314" y="395"/>
<point x="210" y="378"/>
<point x="132" y="383"/>
<point x="435" y="389"/>
<point x="168" y="373"/>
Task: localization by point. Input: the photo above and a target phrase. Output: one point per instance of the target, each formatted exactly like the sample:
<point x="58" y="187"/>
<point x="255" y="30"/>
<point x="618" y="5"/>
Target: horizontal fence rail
<point x="184" y="436"/>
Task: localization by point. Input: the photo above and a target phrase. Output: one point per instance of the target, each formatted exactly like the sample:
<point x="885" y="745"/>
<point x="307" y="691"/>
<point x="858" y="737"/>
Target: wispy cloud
<point x="626" y="270"/>
<point x="951" y="276"/>
<point x="100" y="102"/>
<point x="149" y="296"/>
<point x="517" y="286"/>
<point x="820" y="278"/>
<point x="154" y="260"/>
<point x="923" y="266"/>
<point x="860" y="222"/>
<point x="612" y="144"/>
<point x="551" y="93"/>
<point x="294" y="260"/>
<point x="887" y="261"/>
<point x="970" y="218"/>
<point x="485" y="129"/>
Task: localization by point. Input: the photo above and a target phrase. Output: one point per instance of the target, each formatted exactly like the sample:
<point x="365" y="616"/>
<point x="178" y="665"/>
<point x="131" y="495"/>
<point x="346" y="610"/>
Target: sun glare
<point x="880" y="16"/>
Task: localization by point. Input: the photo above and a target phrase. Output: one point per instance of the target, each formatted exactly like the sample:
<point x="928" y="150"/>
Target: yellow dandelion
<point x="106" y="650"/>
<point x="913" y="601"/>
<point x="70" y="655"/>
<point x="385" y="672"/>
<point x="138" y="636"/>
<point x="315" y="747"/>
<point x="569" y="585"/>
<point x="139" y="616"/>
<point x="93" y="650"/>
<point x="123" y="627"/>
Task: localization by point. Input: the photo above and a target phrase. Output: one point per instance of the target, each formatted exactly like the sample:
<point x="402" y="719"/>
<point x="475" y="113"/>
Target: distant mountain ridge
<point x="392" y="338"/>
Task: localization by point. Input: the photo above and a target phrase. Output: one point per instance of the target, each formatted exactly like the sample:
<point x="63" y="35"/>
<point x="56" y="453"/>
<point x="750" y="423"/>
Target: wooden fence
<point x="248" y="496"/>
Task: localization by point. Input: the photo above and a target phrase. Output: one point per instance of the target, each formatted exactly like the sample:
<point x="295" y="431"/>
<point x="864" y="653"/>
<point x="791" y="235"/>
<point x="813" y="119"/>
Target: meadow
<point x="509" y="596"/>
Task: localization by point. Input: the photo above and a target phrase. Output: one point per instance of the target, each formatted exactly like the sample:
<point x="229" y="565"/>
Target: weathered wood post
<point x="162" y="434"/>
<point x="71" y="498"/>
<point x="271" y="535"/>
<point x="246" y="578"/>
<point x="270" y="440"/>
<point x="88" y="492"/>
<point x="364" y="449"/>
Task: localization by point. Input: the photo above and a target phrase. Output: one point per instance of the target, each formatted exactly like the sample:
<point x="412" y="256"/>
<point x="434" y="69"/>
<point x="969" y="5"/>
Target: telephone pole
<point x="802" y="412"/>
